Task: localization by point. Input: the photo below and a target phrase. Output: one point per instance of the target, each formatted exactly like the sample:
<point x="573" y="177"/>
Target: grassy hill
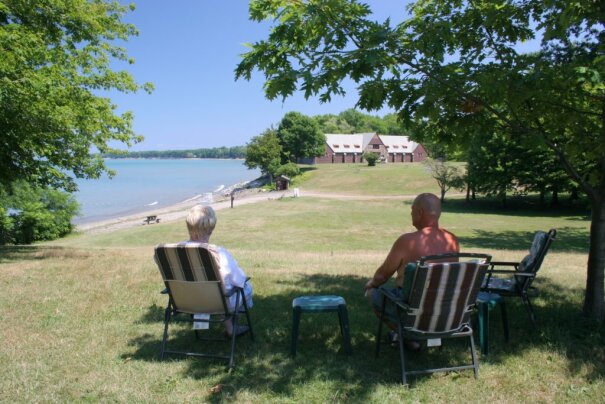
<point x="383" y="179"/>
<point x="82" y="317"/>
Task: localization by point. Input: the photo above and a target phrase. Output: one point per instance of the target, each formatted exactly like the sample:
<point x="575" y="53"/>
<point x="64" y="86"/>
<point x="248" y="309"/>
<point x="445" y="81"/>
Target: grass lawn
<point x="383" y="179"/>
<point x="83" y="317"/>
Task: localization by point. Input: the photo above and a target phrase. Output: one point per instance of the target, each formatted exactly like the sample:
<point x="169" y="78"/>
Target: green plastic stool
<point x="321" y="304"/>
<point x="486" y="301"/>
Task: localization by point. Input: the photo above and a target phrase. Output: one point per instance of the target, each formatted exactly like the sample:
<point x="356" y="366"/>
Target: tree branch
<point x="576" y="110"/>
<point x="573" y="173"/>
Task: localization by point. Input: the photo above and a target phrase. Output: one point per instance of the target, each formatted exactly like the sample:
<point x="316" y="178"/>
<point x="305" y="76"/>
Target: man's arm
<point x="393" y="261"/>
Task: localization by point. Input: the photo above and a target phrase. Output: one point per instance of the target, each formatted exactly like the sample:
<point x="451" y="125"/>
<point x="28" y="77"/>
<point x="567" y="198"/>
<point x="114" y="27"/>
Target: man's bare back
<point x="426" y="241"/>
<point x="429" y="239"/>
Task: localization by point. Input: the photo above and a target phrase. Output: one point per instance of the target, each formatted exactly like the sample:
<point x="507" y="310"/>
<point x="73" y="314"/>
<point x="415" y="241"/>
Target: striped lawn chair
<point x="441" y="299"/>
<point x="193" y="283"/>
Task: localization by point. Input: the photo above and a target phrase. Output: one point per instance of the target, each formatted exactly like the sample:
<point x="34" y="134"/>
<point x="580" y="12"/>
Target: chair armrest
<point x="503" y="263"/>
<point x="496" y="288"/>
<point x="526" y="274"/>
<point x="237" y="288"/>
<point x="493" y="270"/>
<point x="393" y="298"/>
<point x="510" y="272"/>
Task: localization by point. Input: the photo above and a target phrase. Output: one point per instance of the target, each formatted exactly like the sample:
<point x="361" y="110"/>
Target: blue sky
<point x="189" y="49"/>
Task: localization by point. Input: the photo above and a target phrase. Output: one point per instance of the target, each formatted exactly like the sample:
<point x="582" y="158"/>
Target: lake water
<point x="147" y="184"/>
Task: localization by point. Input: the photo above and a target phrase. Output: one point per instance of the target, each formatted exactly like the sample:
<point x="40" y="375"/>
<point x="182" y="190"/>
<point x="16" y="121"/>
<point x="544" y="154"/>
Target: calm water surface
<point x="146" y="184"/>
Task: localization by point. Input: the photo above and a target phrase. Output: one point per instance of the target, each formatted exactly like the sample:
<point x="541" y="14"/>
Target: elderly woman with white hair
<point x="200" y="224"/>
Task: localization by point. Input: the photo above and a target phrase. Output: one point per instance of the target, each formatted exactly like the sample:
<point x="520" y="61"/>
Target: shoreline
<point x="151" y="209"/>
<point x="246" y="192"/>
<point x="173" y="158"/>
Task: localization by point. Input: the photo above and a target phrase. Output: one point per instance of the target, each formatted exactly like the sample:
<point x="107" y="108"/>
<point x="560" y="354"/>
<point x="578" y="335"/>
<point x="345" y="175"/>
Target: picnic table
<point x="151" y="219"/>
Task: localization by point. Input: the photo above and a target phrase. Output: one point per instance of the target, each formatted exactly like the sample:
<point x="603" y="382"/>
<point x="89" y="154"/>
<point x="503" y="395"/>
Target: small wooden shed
<point x="282" y="183"/>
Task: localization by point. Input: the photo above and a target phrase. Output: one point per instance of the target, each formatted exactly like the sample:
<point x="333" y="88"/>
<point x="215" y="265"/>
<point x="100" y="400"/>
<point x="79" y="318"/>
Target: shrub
<point x="290" y="170"/>
<point x="371" y="158"/>
<point x="36" y="214"/>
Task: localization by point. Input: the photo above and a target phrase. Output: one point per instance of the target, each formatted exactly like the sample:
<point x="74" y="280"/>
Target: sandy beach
<point x="179" y="210"/>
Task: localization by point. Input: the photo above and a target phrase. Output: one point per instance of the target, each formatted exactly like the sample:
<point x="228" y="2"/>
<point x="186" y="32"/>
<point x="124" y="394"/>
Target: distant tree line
<point x="354" y="121"/>
<point x="236" y="152"/>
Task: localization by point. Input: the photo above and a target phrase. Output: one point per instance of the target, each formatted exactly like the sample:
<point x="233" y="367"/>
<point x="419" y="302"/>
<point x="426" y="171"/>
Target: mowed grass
<point x="82" y="317"/>
<point x="359" y="179"/>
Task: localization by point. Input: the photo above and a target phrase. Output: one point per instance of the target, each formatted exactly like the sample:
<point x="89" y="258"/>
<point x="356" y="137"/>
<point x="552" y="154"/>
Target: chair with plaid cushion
<point x="193" y="283"/>
<point x="439" y="306"/>
<point x="520" y="275"/>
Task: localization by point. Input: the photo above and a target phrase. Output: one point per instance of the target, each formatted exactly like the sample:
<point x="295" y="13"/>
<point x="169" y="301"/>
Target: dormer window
<point x="335" y="146"/>
<point x="346" y="146"/>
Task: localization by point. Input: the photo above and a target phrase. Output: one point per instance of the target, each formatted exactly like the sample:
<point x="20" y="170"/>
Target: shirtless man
<point x="429" y="239"/>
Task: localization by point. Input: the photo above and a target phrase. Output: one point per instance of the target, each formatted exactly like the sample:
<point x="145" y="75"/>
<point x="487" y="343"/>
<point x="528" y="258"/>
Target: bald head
<point x="426" y="210"/>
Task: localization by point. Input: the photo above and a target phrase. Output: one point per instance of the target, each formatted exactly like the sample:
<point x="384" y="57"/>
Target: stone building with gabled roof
<point x="341" y="148"/>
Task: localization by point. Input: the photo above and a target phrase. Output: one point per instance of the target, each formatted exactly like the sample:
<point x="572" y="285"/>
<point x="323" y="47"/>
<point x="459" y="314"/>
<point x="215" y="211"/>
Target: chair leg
<point x="484" y="328"/>
<point x="344" y="327"/>
<point x="401" y="352"/>
<point x="234" y="333"/>
<point x="530" y="310"/>
<point x="504" y="320"/>
<point x="296" y="311"/>
<point x="474" y="357"/>
<point x="167" y="318"/>
<point x="247" y="315"/>
<point x="233" y="337"/>
<point x="380" y="321"/>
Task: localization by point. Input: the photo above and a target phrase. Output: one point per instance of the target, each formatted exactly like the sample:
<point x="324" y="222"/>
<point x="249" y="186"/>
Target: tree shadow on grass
<point x="521" y="206"/>
<point x="19" y="253"/>
<point x="569" y="239"/>
<point x="266" y="365"/>
<point x="561" y="329"/>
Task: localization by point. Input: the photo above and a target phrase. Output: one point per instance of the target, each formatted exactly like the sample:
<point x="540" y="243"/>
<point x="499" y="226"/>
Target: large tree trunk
<point x="573" y="196"/>
<point x="554" y="201"/>
<point x="594" y="303"/>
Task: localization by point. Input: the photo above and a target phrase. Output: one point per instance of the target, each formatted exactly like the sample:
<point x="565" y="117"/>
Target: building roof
<point x="398" y="144"/>
<point x="357" y="142"/>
